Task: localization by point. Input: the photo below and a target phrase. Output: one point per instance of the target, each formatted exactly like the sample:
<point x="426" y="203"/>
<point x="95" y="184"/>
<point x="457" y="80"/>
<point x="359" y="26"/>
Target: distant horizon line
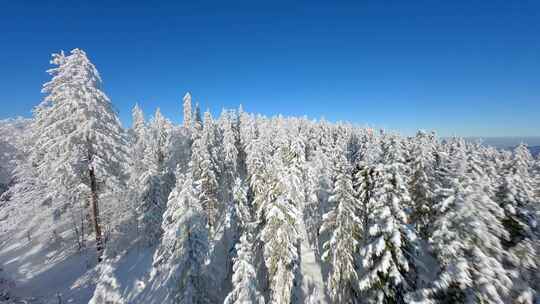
<point x="367" y="126"/>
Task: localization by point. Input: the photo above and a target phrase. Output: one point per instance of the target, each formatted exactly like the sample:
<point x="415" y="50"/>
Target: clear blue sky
<point x="459" y="67"/>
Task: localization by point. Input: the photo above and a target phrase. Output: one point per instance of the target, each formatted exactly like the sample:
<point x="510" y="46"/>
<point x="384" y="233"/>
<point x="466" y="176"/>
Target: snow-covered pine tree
<point x="387" y="253"/>
<point x="467" y="235"/>
<point x="205" y="170"/>
<point x="154" y="184"/>
<point x="343" y="225"/>
<point x="184" y="246"/>
<point x="316" y="193"/>
<point x="370" y="149"/>
<point x="525" y="272"/>
<point x="158" y="141"/>
<point x="138" y="124"/>
<point x="490" y="166"/>
<point x="78" y="141"/>
<point x="230" y="153"/>
<point x="516" y="196"/>
<point x="197" y="118"/>
<point x="137" y="145"/>
<point x="278" y="216"/>
<point x="127" y="208"/>
<point x="421" y="183"/>
<point x="293" y="160"/>
<point x="280" y="238"/>
<point x="244" y="211"/>
<point x="244" y="279"/>
<point x="187" y="111"/>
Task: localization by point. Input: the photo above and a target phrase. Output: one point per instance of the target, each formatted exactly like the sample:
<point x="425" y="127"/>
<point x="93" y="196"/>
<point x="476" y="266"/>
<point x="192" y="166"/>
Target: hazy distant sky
<point x="469" y="68"/>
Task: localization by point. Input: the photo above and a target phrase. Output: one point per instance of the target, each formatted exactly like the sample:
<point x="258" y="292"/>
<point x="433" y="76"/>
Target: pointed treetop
<point x="208" y="119"/>
<point x="187" y="111"/>
<point x="158" y="115"/>
<point x="74" y="69"/>
<point x="137" y="117"/>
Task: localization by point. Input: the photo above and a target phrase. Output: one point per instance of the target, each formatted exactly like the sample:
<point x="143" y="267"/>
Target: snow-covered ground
<point x="34" y="268"/>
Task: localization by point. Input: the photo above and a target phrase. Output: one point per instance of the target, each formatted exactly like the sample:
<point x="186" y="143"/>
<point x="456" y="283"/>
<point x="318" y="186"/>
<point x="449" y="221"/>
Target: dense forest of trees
<point x="233" y="207"/>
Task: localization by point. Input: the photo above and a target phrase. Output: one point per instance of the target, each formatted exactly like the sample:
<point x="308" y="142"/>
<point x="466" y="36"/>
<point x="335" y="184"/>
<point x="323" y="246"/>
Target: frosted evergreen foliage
<point x="422" y="181"/>
<point x="184" y="247"/>
<point x="343" y="224"/>
<point x="188" y="119"/>
<point x="78" y="144"/>
<point x="244" y="208"/>
<point x="244" y="279"/>
<point x="387" y="251"/>
<point x="467" y="239"/>
<point x="278" y="213"/>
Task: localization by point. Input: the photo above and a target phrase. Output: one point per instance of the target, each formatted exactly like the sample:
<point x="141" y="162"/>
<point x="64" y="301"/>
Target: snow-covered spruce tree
<point x="343" y="224"/>
<point x="183" y="249"/>
<point x="197" y="118"/>
<point x="317" y="190"/>
<point x="78" y="143"/>
<point x="244" y="279"/>
<point x="421" y="183"/>
<point x="205" y="171"/>
<point x="126" y="210"/>
<point x="293" y="160"/>
<point x="388" y="248"/>
<point x="516" y="196"/>
<point x="278" y="217"/>
<point x="137" y="148"/>
<point x="154" y="183"/>
<point x="490" y="165"/>
<point x="321" y="174"/>
<point x="370" y="150"/>
<point x="524" y="271"/>
<point x="244" y="211"/>
<point x="188" y="120"/>
<point x="466" y="238"/>
<point x="280" y="238"/>
<point x="138" y="124"/>
<point x="230" y="153"/>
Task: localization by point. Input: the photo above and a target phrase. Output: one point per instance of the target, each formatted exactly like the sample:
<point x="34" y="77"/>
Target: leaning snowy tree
<point x="78" y="143"/>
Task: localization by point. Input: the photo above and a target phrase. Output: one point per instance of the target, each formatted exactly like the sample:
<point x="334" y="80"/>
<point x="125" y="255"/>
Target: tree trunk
<point x="95" y="213"/>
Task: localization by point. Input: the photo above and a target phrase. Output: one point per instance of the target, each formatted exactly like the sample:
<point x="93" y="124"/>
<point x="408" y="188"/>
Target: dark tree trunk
<point x="95" y="213"/>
